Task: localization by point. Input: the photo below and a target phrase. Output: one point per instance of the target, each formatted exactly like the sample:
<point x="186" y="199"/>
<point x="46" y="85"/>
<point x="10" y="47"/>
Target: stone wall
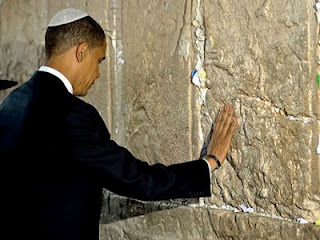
<point x="206" y="224"/>
<point x="261" y="56"/>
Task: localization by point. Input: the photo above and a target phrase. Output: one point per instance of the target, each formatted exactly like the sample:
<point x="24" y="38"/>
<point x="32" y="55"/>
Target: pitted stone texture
<point x="21" y="41"/>
<point x="261" y="58"/>
<point x="265" y="49"/>
<point x="258" y="55"/>
<point x="155" y="79"/>
<point x="202" y="223"/>
<point x="267" y="170"/>
<point x="115" y="207"/>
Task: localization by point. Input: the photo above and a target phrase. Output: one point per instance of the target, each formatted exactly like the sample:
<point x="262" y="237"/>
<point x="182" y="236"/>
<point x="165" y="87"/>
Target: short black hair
<point x="61" y="38"/>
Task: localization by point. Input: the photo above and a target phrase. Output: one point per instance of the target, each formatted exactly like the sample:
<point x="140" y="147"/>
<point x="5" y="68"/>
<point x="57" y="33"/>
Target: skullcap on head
<point x="67" y="15"/>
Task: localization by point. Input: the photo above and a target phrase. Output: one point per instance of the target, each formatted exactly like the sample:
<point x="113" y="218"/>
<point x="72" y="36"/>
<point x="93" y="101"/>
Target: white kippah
<point x="67" y="15"/>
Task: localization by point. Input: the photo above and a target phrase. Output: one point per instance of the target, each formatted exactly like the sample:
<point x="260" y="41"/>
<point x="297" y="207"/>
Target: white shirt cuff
<point x="209" y="166"/>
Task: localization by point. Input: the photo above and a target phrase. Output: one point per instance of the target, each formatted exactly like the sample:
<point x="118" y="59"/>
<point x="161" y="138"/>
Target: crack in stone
<point x="281" y="111"/>
<point x="223" y="66"/>
<point x="199" y="43"/>
<point x="182" y="45"/>
<point x="176" y="203"/>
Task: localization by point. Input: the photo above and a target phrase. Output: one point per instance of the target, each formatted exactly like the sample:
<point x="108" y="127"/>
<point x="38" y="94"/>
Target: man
<point x="58" y="152"/>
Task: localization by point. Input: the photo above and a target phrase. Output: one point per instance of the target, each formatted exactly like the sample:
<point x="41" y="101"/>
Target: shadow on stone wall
<point x="116" y="208"/>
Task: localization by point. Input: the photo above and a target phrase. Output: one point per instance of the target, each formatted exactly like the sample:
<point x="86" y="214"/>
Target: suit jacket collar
<point x="59" y="75"/>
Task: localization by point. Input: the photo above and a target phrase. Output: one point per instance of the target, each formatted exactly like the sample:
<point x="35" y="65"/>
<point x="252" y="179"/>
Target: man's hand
<point x="224" y="127"/>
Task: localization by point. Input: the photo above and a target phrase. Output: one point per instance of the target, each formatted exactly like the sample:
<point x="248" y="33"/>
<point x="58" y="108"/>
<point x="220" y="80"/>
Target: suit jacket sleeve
<point x="120" y="172"/>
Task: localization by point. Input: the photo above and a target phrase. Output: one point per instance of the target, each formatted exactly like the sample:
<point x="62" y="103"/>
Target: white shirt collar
<point x="59" y="75"/>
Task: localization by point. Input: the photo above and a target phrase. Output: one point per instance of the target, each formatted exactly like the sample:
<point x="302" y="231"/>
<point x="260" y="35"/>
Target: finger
<point x="232" y="128"/>
<point x="225" y="120"/>
<point x="221" y="112"/>
<point x="219" y="119"/>
<point x="228" y="119"/>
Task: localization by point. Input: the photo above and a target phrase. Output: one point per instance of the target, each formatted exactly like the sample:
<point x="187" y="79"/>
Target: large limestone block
<point x="22" y="26"/>
<point x="21" y="38"/>
<point x="156" y="91"/>
<point x="260" y="56"/>
<point x="203" y="223"/>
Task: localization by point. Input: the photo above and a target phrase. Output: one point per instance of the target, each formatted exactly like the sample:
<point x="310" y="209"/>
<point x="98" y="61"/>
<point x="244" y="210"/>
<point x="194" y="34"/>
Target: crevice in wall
<point x="279" y="110"/>
<point x="199" y="73"/>
<point x="199" y="76"/>
<point x="161" y="205"/>
<point x="118" y="124"/>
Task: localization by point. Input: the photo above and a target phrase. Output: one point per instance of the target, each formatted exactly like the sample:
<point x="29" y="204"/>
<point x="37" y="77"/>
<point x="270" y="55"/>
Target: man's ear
<point x="81" y="51"/>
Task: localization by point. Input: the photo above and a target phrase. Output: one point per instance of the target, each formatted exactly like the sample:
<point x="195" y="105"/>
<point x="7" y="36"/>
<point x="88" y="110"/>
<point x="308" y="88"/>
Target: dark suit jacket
<point x="58" y="155"/>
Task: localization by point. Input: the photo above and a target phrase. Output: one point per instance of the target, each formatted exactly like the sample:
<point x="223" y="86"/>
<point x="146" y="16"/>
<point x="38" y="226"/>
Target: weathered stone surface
<point x="204" y="223"/>
<point x="261" y="57"/>
<point x="116" y="208"/>
<point x="155" y="79"/>
<point x="20" y="41"/>
<point x="258" y="55"/>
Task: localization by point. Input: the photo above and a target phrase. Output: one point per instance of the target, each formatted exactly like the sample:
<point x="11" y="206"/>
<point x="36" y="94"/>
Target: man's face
<point x="90" y="69"/>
